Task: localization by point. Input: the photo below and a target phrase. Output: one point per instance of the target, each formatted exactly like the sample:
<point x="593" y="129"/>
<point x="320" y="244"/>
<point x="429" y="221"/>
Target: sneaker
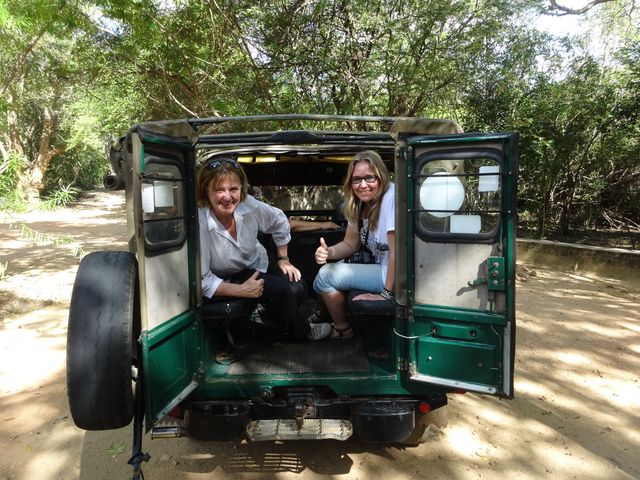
<point x="317" y="318"/>
<point x="319" y="331"/>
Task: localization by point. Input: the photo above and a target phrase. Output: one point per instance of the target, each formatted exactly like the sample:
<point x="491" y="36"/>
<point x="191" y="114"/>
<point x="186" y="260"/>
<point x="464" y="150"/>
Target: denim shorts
<point x="346" y="276"/>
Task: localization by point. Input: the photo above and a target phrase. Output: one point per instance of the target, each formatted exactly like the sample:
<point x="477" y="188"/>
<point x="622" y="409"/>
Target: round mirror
<point x="441" y="191"/>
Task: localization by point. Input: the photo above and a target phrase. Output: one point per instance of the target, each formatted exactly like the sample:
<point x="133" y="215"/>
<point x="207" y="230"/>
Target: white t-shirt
<point x="222" y="255"/>
<point x="377" y="242"/>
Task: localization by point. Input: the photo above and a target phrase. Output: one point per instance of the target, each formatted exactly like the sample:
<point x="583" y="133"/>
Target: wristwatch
<point x="284" y="257"/>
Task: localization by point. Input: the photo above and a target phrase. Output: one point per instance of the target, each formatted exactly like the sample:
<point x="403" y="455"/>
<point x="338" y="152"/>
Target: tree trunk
<point x="542" y="212"/>
<point x="15" y="142"/>
<point x="566" y="206"/>
<point x="45" y="151"/>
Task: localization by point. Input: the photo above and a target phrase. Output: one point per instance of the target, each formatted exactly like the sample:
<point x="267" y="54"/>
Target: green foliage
<point x="59" y="198"/>
<point x="9" y="173"/>
<point x="76" y="75"/>
<point x="42" y="238"/>
<point x="116" y="449"/>
<point x="10" y="199"/>
<point x="84" y="162"/>
<point x="83" y="167"/>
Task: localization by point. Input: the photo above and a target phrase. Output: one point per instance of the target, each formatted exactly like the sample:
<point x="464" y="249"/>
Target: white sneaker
<point x="319" y="331"/>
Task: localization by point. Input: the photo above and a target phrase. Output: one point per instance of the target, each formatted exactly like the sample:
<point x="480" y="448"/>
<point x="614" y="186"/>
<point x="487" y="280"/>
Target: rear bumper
<point x="304" y="417"/>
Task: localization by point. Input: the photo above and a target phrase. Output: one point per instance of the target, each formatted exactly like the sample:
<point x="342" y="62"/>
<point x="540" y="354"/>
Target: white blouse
<point x="222" y="255"/>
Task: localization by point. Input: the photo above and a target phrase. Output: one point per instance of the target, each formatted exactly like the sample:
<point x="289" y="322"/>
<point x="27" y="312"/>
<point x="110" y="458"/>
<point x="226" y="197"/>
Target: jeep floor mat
<point x="328" y="356"/>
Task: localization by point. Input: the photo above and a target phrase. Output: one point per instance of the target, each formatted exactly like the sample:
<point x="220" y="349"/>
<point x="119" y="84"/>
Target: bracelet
<point x="386" y="294"/>
<point x="283" y="258"/>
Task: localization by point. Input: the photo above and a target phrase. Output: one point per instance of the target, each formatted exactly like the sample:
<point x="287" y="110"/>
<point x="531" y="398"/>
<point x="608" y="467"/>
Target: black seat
<point x="372" y="321"/>
<point x="369" y="308"/>
<point x="338" y="216"/>
<point x="235" y="313"/>
<point x="227" y="309"/>
<point x="230" y="319"/>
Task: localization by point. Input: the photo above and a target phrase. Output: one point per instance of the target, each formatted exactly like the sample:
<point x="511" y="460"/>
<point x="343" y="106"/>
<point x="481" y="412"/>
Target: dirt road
<point x="576" y="412"/>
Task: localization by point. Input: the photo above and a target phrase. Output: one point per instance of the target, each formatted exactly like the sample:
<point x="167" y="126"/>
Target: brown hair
<point x="215" y="170"/>
<point x="351" y="202"/>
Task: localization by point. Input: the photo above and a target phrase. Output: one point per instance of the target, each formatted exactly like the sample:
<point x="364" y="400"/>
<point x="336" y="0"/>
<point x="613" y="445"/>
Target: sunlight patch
<point x="465" y="442"/>
<point x="56" y="463"/>
<point x="572" y="358"/>
<point x="533" y="389"/>
<point x="44" y="357"/>
<point x="580" y="277"/>
<point x="631" y="326"/>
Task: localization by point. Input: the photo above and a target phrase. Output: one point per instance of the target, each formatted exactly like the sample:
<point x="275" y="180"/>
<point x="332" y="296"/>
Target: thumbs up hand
<point x="322" y="252"/>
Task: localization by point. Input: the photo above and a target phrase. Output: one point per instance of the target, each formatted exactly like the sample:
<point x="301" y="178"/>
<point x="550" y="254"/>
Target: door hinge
<point x="403" y="364"/>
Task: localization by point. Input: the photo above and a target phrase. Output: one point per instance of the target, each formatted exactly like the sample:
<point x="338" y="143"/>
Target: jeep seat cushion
<point x="382" y="308"/>
<point x="239" y="309"/>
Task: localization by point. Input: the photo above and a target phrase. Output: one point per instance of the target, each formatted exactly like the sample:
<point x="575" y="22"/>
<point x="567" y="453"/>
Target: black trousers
<point x="280" y="298"/>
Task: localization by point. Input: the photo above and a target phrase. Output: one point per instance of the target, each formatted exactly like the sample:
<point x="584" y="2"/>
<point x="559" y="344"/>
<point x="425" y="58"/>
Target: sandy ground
<point x="576" y="412"/>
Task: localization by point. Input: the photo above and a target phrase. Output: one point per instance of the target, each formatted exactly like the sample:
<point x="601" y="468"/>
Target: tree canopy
<point x="76" y="74"/>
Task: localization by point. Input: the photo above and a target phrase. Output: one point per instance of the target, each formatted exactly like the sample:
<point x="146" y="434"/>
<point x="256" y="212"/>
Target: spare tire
<point x="113" y="182"/>
<point x="101" y="341"/>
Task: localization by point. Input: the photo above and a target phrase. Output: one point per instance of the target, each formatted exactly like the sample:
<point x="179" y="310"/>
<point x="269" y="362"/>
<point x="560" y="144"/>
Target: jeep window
<point x="300" y="198"/>
<point x="458" y="197"/>
<point x="163" y="205"/>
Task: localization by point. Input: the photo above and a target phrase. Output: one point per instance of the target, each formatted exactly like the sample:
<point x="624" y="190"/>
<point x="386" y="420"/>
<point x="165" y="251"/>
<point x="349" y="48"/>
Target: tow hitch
<point x="303" y="425"/>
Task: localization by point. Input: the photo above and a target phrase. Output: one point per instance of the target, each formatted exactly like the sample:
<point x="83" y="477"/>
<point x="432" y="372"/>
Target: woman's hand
<point x="329" y="226"/>
<point x="369" y="296"/>
<point x="322" y="252"/>
<point x="252" y="287"/>
<point x="289" y="270"/>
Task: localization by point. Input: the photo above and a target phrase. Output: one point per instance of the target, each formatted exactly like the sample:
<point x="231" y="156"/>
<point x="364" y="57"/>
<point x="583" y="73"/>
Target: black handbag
<point x="363" y="255"/>
<point x="234" y="316"/>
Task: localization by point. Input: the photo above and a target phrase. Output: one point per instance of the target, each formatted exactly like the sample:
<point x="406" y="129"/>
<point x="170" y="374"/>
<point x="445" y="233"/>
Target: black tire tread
<point x="100" y="349"/>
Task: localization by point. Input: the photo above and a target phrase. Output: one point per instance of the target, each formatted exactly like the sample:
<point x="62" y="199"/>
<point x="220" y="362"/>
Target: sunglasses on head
<point x="213" y="164"/>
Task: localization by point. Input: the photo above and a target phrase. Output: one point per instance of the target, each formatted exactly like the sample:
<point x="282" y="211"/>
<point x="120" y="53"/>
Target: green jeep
<point x="143" y="346"/>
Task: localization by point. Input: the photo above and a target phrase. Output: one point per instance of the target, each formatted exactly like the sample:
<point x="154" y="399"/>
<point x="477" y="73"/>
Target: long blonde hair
<point x="352" y="205"/>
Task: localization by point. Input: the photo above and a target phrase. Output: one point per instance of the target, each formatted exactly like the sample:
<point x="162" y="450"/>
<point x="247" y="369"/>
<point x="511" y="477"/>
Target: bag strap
<point x="230" y="336"/>
<point x="360" y="225"/>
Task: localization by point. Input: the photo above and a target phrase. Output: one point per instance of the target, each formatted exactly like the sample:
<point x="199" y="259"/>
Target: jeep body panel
<point x="449" y="333"/>
<point x="460" y="260"/>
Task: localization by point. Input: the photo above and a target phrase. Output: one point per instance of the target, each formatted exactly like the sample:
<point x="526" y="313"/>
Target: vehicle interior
<point x="305" y="181"/>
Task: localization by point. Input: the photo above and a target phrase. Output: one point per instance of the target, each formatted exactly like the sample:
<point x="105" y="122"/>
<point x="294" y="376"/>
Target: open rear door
<point x="165" y="236"/>
<point x="460" y="194"/>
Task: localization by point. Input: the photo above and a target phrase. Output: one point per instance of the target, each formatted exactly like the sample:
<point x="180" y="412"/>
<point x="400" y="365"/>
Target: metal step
<point x="312" y="429"/>
<point x="167" y="427"/>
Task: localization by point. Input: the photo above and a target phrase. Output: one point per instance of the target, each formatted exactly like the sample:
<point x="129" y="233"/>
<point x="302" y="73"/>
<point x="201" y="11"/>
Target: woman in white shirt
<point x="233" y="261"/>
<point x="370" y="209"/>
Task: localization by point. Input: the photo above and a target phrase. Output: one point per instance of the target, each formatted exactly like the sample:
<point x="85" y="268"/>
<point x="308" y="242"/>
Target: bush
<point x="84" y="168"/>
<point x="59" y="198"/>
<point x="10" y="198"/>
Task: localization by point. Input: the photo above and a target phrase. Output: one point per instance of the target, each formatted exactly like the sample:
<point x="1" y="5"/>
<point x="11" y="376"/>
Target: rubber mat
<point x="329" y="356"/>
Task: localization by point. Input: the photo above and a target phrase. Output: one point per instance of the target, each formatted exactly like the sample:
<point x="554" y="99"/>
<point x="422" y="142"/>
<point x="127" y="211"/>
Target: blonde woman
<point x="370" y="209"/>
